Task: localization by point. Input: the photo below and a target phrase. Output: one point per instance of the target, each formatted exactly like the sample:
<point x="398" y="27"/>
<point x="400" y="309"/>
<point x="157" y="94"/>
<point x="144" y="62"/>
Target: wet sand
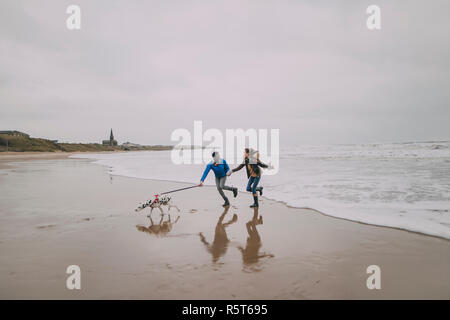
<point x="6" y="158"/>
<point x="59" y="212"/>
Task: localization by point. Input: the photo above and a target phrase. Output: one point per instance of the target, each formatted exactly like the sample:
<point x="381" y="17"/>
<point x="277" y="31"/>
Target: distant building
<point x="128" y="145"/>
<point x="15" y="133"/>
<point x="111" y="141"/>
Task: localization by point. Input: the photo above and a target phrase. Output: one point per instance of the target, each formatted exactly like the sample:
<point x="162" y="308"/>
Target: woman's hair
<point x="253" y="155"/>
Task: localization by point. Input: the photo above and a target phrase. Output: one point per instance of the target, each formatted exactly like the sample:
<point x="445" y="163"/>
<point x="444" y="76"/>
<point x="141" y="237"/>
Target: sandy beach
<point x="6" y="158"/>
<point x="57" y="211"/>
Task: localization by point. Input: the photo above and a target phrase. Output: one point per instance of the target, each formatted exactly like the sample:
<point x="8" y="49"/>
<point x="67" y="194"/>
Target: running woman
<point x="252" y="166"/>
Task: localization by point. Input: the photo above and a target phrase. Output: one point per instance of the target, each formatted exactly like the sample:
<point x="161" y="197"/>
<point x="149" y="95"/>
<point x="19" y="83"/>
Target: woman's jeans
<point x="253" y="184"/>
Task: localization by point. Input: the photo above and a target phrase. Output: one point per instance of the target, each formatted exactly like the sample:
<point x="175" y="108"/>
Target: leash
<point x="176" y="190"/>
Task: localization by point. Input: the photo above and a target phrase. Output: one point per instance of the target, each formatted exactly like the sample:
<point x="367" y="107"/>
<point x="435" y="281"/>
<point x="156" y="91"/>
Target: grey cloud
<point x="311" y="69"/>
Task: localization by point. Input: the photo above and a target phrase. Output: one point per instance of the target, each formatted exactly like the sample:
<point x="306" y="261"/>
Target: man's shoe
<point x="226" y="204"/>
<point x="254" y="205"/>
<point x="235" y="192"/>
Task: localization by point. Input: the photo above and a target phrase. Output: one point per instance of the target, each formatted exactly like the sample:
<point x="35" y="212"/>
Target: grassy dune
<point x="26" y="144"/>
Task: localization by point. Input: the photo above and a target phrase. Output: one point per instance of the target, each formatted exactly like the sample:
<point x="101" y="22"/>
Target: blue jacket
<point x="220" y="170"/>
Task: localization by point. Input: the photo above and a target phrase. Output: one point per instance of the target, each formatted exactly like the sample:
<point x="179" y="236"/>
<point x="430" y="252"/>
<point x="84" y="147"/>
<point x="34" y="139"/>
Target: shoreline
<point x="7" y="157"/>
<point x="26" y="156"/>
<point x="287" y="205"/>
<point x="364" y="223"/>
<point x="298" y="254"/>
<point x="44" y="154"/>
<point x="11" y="156"/>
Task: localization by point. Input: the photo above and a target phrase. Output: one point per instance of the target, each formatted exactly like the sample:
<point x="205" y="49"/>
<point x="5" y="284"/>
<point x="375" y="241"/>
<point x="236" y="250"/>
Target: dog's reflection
<point x="160" y="229"/>
<point x="251" y="254"/>
<point x="220" y="243"/>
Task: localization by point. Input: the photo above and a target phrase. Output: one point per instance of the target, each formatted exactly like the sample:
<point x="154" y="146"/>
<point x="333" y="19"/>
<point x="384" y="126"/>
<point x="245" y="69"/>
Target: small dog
<point x="157" y="203"/>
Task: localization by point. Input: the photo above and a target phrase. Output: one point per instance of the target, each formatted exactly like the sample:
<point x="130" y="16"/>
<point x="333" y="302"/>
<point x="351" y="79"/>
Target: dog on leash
<point x="157" y="203"/>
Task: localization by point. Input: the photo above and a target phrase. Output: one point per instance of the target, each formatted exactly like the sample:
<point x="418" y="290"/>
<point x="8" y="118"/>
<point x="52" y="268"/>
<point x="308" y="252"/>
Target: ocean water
<point x="401" y="185"/>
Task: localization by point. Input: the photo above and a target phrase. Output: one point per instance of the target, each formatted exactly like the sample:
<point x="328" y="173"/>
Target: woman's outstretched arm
<point x="238" y="167"/>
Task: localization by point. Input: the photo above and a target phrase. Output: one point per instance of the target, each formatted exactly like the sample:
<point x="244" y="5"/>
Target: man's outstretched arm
<point x="205" y="173"/>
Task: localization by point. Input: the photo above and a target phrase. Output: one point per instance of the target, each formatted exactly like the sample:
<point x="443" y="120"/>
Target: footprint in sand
<point x="46" y="226"/>
<point x="85" y="219"/>
<point x="193" y="211"/>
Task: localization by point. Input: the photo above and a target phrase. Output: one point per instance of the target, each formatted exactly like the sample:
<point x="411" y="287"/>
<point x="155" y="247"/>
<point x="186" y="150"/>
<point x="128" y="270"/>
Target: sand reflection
<point x="251" y="254"/>
<point x="220" y="243"/>
<point x="162" y="228"/>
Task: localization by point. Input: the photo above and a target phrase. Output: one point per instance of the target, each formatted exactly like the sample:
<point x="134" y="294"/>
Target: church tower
<point x="111" y="138"/>
<point x="111" y="141"/>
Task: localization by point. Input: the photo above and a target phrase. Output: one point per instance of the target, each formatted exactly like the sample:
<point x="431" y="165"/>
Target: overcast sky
<point x="144" y="68"/>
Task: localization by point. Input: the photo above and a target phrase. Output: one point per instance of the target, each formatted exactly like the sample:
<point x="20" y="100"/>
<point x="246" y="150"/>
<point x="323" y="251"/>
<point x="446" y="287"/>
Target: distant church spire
<point x="111" y="141"/>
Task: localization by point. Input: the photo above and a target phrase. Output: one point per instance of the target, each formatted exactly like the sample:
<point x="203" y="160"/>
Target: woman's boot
<point x="255" y="203"/>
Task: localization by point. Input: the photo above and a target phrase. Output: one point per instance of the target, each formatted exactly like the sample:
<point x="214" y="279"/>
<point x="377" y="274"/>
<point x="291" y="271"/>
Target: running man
<point x="220" y="168"/>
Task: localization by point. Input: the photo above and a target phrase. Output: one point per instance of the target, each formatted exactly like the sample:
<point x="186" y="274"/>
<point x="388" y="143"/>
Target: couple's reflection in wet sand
<point x="220" y="243"/>
<point x="160" y="229"/>
<point x="251" y="254"/>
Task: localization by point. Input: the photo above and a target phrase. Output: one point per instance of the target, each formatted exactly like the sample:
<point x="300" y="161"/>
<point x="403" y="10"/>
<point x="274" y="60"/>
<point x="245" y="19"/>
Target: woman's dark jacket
<point x="251" y="167"/>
